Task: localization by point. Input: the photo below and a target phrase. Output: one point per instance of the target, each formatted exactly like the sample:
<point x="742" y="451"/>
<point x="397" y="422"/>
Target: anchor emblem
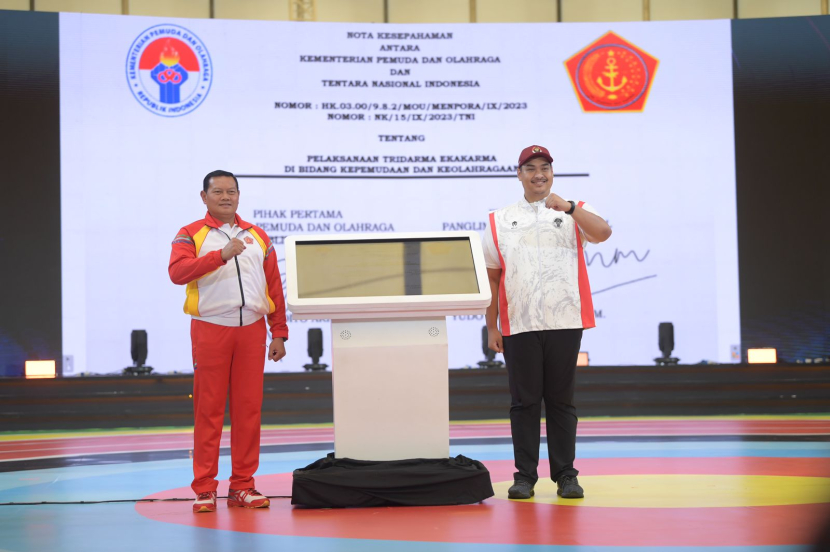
<point x="612" y="73"/>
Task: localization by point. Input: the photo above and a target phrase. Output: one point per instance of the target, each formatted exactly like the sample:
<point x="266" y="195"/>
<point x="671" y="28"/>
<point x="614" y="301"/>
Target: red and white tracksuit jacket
<point x="233" y="293"/>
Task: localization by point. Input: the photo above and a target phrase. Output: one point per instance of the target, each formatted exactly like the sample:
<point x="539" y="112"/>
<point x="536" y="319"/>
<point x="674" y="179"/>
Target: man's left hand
<point x="556" y="203"/>
<point x="277" y="349"/>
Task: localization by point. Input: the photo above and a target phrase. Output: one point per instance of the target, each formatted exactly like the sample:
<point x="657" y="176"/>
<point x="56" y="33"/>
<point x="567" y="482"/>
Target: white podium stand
<point x="388" y="296"/>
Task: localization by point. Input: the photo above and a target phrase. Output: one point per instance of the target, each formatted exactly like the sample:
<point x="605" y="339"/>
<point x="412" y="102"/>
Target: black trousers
<point x="542" y="366"/>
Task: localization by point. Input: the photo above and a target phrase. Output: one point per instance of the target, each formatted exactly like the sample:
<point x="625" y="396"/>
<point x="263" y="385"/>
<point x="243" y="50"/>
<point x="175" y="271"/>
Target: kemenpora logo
<point x="169" y="70"/>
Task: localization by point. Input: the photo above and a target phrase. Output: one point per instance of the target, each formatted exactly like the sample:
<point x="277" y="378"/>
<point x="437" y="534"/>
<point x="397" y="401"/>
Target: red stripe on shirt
<point x="584" y="286"/>
<point x="503" y="314"/>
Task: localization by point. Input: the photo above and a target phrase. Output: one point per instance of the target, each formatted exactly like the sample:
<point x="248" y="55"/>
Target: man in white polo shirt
<point x="541" y="302"/>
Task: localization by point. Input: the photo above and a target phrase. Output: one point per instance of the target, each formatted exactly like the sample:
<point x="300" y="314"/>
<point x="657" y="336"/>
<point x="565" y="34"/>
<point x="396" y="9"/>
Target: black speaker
<point x="315" y="349"/>
<point x="138" y="347"/>
<point x="315" y="344"/>
<point x="665" y="341"/>
<point x="138" y="350"/>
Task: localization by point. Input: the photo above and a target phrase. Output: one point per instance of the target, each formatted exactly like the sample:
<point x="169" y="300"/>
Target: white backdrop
<point x="664" y="177"/>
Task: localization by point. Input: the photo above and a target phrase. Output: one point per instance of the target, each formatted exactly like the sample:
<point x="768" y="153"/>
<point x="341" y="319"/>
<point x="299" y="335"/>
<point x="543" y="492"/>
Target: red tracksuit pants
<point x="227" y="359"/>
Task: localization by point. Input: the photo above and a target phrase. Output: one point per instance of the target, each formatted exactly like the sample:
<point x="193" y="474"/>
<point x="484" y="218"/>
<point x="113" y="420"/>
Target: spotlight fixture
<point x="766" y="355"/>
<point x="138" y="350"/>
<point x="489" y="355"/>
<point x="665" y="340"/>
<point x="315" y="349"/>
<point x="39" y="369"/>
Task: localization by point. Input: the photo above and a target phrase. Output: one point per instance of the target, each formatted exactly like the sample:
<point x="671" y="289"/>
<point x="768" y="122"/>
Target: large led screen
<point x="360" y="128"/>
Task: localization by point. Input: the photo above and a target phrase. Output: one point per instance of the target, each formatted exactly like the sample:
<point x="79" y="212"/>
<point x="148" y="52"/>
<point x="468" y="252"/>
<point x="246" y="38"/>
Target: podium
<point x="388" y="296"/>
<point x="390" y="388"/>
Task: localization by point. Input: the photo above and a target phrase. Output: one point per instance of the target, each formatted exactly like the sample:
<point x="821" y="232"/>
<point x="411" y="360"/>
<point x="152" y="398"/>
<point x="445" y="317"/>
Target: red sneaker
<point x="205" y="502"/>
<point x="247" y="498"/>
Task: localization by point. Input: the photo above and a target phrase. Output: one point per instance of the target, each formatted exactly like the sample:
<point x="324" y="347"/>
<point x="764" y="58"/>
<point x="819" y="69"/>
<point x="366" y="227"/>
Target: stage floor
<point x="754" y="483"/>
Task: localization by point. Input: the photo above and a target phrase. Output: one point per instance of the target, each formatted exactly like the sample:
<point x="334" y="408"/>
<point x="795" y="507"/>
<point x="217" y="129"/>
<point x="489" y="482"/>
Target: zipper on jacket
<point x="239" y="277"/>
<point x="241" y="291"/>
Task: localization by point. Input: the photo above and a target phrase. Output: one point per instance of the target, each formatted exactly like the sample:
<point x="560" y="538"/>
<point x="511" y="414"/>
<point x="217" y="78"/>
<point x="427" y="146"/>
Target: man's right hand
<point x="494" y="341"/>
<point x="234" y="248"/>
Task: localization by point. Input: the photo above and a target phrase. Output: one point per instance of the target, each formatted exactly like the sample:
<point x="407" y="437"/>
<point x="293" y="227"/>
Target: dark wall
<point x="781" y="72"/>
<point x="30" y="237"/>
<point x="163" y="401"/>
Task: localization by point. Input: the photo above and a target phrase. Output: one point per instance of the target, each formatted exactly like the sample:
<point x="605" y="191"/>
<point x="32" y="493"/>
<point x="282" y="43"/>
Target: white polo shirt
<point x="544" y="280"/>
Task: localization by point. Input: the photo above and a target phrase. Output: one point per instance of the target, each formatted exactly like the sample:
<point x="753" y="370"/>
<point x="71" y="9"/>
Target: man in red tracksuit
<point x="233" y="284"/>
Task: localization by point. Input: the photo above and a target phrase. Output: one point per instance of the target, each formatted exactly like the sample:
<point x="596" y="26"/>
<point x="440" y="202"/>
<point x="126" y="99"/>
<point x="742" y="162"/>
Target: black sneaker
<point x="568" y="487"/>
<point x="521" y="489"/>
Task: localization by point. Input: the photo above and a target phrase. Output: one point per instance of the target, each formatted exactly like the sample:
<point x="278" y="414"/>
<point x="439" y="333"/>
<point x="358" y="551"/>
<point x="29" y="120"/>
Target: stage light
<point x="582" y="359"/>
<point x="138" y="350"/>
<point x="315" y="349"/>
<point x="767" y="355"/>
<point x="665" y="341"/>
<point x="39" y="369"/>
<point x="489" y="354"/>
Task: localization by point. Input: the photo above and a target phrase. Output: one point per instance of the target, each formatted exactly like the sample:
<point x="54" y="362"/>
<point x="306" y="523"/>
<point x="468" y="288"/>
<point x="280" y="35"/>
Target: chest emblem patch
<point x="249" y="240"/>
<point x="557" y="222"/>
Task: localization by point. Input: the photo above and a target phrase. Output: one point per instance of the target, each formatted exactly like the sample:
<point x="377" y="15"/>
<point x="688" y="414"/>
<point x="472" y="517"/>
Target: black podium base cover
<point x="342" y="482"/>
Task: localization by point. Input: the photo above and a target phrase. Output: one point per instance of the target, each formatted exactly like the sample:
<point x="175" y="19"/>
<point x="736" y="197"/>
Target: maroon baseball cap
<point x="534" y="151"/>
